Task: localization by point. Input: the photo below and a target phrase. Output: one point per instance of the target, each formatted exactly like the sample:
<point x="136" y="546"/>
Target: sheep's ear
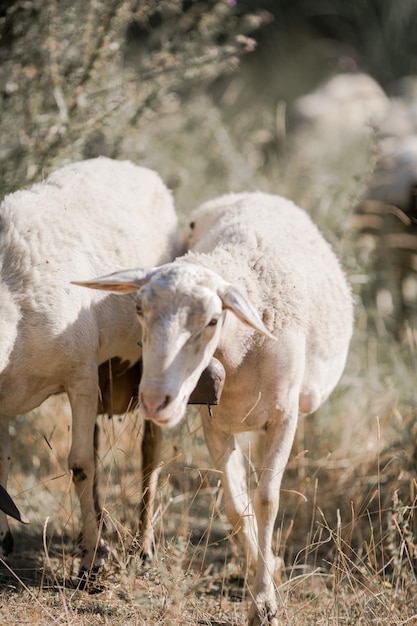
<point x="124" y="281"/>
<point x="234" y="300"/>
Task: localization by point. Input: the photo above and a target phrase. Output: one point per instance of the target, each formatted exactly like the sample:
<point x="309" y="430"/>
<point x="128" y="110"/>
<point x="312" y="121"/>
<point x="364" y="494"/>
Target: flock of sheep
<point x="249" y="305"/>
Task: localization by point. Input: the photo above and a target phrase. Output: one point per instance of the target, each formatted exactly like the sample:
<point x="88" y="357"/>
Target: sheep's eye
<point x="139" y="309"/>
<point x="212" y="322"/>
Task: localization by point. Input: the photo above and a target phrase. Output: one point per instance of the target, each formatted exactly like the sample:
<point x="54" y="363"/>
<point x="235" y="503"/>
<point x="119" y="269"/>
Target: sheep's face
<point x="180" y="307"/>
<point x="181" y="321"/>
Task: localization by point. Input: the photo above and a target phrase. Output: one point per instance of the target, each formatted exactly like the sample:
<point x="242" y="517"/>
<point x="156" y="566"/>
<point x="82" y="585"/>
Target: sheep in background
<point x="394" y="176"/>
<point x="262" y="291"/>
<point x="386" y="220"/>
<point x="342" y="110"/>
<point x="401" y="118"/>
<point x="84" y="218"/>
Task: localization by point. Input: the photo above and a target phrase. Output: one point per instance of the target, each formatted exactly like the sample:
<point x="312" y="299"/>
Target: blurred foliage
<point x="377" y="36"/>
<point x="70" y="71"/>
<point x="83" y="78"/>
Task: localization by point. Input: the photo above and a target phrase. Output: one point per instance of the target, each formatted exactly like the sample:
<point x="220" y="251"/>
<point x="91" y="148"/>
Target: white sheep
<point x="340" y="112"/>
<point x="394" y="177"/>
<point x="386" y="220"/>
<point x="258" y="259"/>
<point x="84" y="218"/>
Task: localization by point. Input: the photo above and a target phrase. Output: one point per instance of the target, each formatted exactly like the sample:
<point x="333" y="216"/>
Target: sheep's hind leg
<point x="97" y="505"/>
<point x="6" y="539"/>
<point x="83" y="399"/>
<point x="151" y="449"/>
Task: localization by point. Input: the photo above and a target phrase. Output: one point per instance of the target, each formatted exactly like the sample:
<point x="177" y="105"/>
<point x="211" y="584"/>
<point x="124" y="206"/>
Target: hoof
<point x="143" y="559"/>
<point x="89" y="576"/>
<point x="6" y="544"/>
<point x="265" y="617"/>
<point x="88" y="580"/>
<point x="146" y="559"/>
<point x="139" y="551"/>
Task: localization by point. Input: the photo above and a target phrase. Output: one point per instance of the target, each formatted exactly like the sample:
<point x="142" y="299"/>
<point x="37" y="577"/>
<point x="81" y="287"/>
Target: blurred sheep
<point x="401" y="117"/>
<point x="344" y="109"/>
<point x="386" y="220"/>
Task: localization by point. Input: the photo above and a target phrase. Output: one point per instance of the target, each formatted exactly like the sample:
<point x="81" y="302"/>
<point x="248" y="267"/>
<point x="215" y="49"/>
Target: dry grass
<point x="346" y="535"/>
<point x="346" y="526"/>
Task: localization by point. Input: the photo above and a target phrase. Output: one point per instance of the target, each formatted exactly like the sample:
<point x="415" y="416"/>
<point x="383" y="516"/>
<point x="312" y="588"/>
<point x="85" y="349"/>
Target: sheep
<point x="401" y="119"/>
<point x="341" y="107"/>
<point x="84" y="218"/>
<point x="336" y="120"/>
<point x="386" y="221"/>
<point x="261" y="290"/>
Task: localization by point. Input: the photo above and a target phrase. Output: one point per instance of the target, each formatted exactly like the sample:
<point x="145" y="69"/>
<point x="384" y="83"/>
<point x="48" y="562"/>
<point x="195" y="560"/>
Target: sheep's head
<point x="181" y="308"/>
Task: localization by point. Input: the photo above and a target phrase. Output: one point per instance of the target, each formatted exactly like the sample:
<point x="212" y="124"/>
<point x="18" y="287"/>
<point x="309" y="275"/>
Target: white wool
<point x="84" y="219"/>
<point x="270" y="248"/>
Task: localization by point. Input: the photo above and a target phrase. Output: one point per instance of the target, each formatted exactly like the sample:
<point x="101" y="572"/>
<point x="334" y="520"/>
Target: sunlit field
<point x="347" y="522"/>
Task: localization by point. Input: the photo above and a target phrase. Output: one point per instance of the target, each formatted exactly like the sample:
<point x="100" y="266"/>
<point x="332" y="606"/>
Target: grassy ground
<point x="346" y="526"/>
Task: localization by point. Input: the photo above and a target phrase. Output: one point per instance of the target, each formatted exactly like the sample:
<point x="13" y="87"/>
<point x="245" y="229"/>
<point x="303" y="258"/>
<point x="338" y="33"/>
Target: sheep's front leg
<point x="151" y="452"/>
<point x="83" y="400"/>
<point x="6" y="539"/>
<point x="278" y="442"/>
<point x="228" y="458"/>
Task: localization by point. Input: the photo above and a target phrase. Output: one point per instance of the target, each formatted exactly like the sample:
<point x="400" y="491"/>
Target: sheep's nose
<point x="154" y="401"/>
